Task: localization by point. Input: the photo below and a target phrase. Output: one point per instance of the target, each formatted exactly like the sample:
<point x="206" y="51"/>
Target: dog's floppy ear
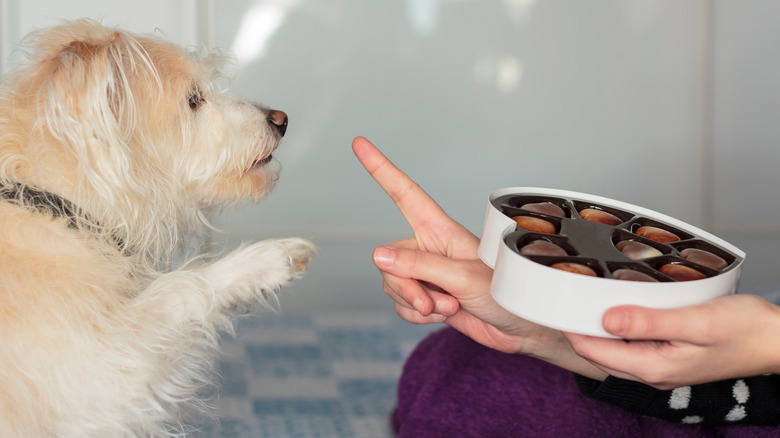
<point x="87" y="83"/>
<point x="89" y="103"/>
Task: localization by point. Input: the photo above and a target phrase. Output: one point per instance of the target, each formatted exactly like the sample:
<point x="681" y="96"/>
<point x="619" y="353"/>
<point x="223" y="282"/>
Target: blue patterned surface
<point x="308" y="375"/>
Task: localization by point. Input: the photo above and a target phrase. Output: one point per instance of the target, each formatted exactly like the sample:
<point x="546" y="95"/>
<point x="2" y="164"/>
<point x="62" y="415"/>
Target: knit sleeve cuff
<point x="629" y="395"/>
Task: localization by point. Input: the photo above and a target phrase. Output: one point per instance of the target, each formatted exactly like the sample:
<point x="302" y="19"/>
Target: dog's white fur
<point x="100" y="335"/>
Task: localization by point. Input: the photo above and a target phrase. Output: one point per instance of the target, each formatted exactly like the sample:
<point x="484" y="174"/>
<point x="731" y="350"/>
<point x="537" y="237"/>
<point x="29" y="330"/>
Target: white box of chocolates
<point x="562" y="258"/>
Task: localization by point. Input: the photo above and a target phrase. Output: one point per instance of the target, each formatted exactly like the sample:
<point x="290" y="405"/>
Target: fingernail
<point x="418" y="306"/>
<point x="384" y="255"/>
<point x="444" y="307"/>
<point x="615" y="322"/>
<point x="437" y="317"/>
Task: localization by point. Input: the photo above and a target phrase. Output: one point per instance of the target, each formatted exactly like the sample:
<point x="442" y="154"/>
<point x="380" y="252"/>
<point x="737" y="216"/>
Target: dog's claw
<point x="302" y="265"/>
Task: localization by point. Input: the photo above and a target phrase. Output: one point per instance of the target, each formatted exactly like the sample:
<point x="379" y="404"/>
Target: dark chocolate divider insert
<point x="657" y="262"/>
<point x="516" y="241"/>
<point x="624" y="216"/>
<point x="707" y="246"/>
<point x="590" y="239"/>
<point x="645" y="221"/>
<point x="515" y="201"/>
<point x="620" y="235"/>
<point x="640" y="267"/>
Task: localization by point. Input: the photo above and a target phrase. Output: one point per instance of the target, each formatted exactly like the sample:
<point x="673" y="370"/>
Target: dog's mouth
<point x="261" y="161"/>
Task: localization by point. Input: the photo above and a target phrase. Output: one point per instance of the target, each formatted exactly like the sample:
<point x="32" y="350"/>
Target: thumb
<point x="641" y="323"/>
<point x="452" y="275"/>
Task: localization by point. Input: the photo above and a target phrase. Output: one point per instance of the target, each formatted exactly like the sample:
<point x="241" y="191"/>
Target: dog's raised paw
<point x="258" y="270"/>
<point x="300" y="251"/>
<point x="272" y="261"/>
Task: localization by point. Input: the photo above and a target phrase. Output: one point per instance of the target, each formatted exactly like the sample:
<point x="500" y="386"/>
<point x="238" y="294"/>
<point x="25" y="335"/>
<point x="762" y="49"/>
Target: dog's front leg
<point x="250" y="275"/>
<point x="177" y="317"/>
<point x="244" y="279"/>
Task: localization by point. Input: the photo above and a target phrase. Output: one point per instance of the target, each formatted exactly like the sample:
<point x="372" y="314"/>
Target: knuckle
<point x="409" y="315"/>
<point x="402" y="191"/>
<point x="645" y="324"/>
<point x="388" y="290"/>
<point x="709" y="329"/>
<point x="756" y="302"/>
<point x="640" y="324"/>
<point x="414" y="260"/>
<point x="408" y="260"/>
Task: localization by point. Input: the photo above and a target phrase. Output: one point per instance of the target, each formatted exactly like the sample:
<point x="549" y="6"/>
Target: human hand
<point x="434" y="232"/>
<point x="437" y="274"/>
<point x="730" y="337"/>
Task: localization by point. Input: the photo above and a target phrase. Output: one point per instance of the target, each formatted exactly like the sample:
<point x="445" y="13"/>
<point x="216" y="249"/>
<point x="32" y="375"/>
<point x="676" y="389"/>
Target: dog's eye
<point x="195" y="99"/>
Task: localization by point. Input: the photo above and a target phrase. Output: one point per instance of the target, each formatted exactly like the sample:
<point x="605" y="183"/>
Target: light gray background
<point x="670" y="105"/>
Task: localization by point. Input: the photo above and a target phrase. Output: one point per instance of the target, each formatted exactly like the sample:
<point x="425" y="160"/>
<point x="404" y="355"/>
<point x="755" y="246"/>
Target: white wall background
<point x="666" y="104"/>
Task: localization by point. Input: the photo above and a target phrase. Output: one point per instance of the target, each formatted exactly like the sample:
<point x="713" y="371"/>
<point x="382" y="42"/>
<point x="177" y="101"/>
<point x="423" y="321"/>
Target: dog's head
<point x="130" y="129"/>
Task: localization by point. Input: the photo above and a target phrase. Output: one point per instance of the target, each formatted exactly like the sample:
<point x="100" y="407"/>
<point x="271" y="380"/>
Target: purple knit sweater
<point x="454" y="387"/>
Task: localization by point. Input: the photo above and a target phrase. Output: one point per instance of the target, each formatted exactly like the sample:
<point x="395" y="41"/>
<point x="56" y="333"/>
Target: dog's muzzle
<point x="278" y="119"/>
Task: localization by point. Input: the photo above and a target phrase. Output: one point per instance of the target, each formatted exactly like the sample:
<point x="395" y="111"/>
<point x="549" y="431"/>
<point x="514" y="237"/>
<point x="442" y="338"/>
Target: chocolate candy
<point x="625" y="245"/>
<point x="542" y="247"/>
<point x="681" y="272"/>
<point x="632" y="275"/>
<point x="637" y="250"/>
<point x="575" y="268"/>
<point x="657" y="234"/>
<point x="544" y="208"/>
<point x="600" y="216"/>
<point x="535" y="224"/>
<point x="705" y="258"/>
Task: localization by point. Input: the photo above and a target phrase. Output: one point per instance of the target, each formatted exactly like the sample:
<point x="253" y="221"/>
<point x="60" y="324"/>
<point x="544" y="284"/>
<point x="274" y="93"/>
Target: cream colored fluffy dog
<point x="112" y="148"/>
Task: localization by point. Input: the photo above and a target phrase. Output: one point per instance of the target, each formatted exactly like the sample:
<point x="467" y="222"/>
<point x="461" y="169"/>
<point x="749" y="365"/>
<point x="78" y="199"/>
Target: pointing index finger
<point x="415" y="205"/>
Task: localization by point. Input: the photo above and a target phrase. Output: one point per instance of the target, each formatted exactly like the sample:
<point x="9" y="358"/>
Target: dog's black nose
<point x="279" y="120"/>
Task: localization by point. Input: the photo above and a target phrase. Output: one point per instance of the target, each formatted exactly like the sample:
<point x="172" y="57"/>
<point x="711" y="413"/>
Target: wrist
<point x="545" y="344"/>
<point x="552" y="347"/>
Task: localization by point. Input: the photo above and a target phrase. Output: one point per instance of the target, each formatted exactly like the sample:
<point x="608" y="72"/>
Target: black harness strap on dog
<point x="43" y="201"/>
<point x="47" y="202"/>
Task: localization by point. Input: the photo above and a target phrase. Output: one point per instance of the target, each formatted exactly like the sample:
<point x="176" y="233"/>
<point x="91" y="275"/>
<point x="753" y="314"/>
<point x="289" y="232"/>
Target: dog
<point x="114" y="149"/>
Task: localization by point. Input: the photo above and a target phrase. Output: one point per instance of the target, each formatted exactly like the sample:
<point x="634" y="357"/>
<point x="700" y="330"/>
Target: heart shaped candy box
<point x="562" y="258"/>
